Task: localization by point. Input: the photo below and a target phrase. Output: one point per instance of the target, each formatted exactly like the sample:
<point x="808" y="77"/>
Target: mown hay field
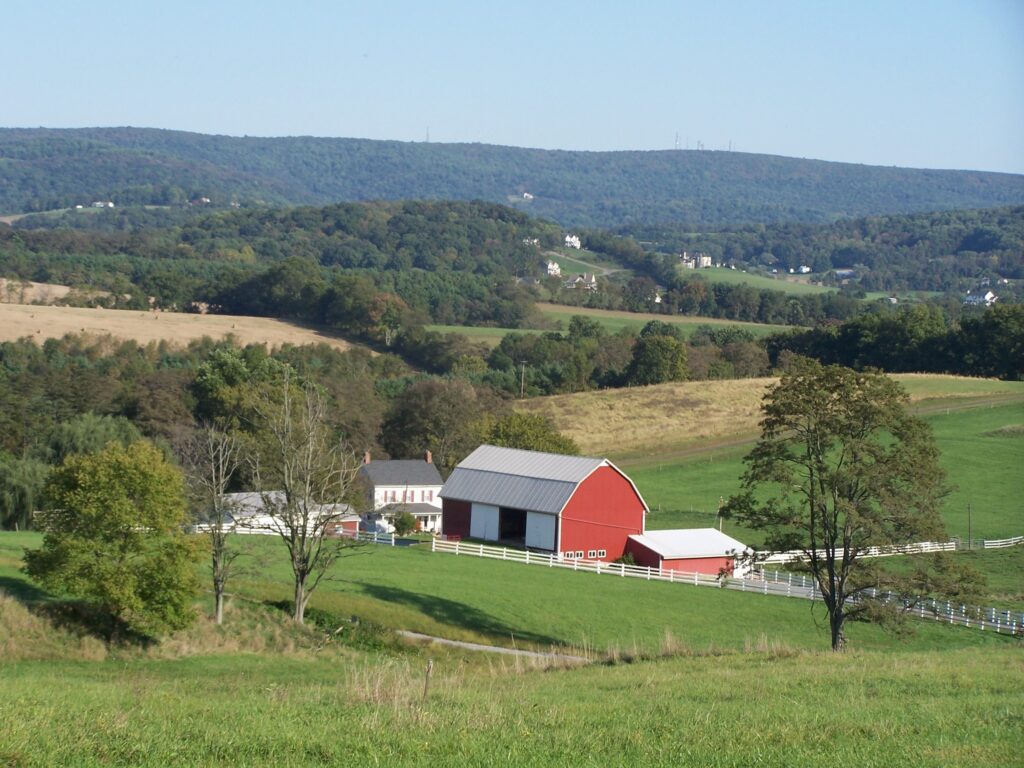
<point x="655" y="421"/>
<point x="45" y="322"/>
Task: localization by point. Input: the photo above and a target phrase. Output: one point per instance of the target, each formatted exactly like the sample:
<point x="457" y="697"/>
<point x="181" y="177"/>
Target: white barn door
<point x="540" y="530"/>
<point x="483" y="522"/>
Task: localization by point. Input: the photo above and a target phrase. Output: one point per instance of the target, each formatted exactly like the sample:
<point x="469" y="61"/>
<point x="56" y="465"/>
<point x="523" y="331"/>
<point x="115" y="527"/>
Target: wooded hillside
<point x="42" y="169"/>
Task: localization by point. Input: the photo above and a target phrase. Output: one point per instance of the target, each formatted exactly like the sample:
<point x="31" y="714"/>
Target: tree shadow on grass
<point x="77" y="617"/>
<point x="22" y="590"/>
<point x="455" y="614"/>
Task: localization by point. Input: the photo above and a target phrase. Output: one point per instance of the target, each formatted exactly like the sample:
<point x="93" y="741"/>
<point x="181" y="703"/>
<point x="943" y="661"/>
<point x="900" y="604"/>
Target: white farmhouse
<point x="403" y="485"/>
<point x="573" y="241"/>
<point x="554" y="269"/>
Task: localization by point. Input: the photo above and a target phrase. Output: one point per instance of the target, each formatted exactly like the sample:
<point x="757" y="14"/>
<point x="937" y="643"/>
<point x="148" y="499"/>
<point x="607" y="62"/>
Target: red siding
<point x="710" y="565"/>
<point x="455" y="517"/>
<point x="651" y="559"/>
<point x="601" y="514"/>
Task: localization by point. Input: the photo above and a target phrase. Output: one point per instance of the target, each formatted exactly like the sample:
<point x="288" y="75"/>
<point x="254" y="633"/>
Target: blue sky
<point x="922" y="84"/>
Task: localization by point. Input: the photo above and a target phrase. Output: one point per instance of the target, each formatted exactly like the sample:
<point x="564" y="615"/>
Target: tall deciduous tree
<point x="211" y="458"/>
<point x="115" y="538"/>
<point x="305" y="477"/>
<point x="841" y="466"/>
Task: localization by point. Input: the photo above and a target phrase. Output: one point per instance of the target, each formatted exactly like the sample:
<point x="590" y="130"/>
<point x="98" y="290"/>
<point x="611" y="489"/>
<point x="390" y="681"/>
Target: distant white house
<point x="573" y="241"/>
<point x="554" y="269"/>
<point x="694" y="260"/>
<point x="403" y="485"/>
<point x="804" y="269"/>
<point x="986" y="299"/>
<point x="587" y="281"/>
<point x="527" y="196"/>
<point x="103" y="204"/>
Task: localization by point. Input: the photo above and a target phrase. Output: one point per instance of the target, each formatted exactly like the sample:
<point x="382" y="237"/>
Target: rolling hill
<point x="42" y="169"/>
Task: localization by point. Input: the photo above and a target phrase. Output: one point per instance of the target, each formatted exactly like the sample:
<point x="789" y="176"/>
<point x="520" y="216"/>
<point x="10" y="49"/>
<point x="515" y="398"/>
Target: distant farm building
<point x="693" y="550"/>
<point x="694" y="260"/>
<point x="403" y="485"/>
<point x="253" y="512"/>
<point x="577" y="507"/>
<point x="554" y="269"/>
<point x="573" y="241"/>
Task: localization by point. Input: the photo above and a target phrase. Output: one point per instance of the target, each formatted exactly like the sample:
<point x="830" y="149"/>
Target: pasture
<point x="982" y="454"/>
<point x="45" y="322"/>
<point x="615" y="320"/>
<point x="668" y="421"/>
<point x="772" y="706"/>
<point x="798" y="285"/>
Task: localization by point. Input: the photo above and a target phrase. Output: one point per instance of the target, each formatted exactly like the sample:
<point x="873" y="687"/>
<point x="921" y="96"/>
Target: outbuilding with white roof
<point x="694" y="550"/>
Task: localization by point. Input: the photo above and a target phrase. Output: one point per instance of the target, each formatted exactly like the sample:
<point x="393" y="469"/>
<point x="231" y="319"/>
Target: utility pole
<point x="522" y="380"/>
<point x="969" y="544"/>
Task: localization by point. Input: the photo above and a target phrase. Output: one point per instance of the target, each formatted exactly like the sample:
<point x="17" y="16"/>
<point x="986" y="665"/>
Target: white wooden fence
<point x="778" y="558"/>
<point x="767" y="583"/>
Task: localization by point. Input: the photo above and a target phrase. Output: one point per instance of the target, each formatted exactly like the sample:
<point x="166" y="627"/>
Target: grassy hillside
<point x="664" y="419"/>
<point x="738" y="277"/>
<point x="687" y="675"/>
<point x="46" y="322"/>
<point x="43" y="169"/>
<point x="510" y="604"/>
<point x="770" y="708"/>
<point x="613" y="320"/>
<point x="982" y="453"/>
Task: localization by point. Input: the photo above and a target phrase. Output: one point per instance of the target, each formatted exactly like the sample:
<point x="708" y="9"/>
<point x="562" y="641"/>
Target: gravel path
<point x="492" y="648"/>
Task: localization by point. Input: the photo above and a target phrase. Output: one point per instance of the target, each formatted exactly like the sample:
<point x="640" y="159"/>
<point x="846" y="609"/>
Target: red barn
<point x="579" y="507"/>
<point x="694" y="550"/>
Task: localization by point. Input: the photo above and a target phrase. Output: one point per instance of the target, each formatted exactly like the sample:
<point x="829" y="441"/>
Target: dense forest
<point x="43" y="169"/>
<point x="446" y="262"/>
<point x="950" y="250"/>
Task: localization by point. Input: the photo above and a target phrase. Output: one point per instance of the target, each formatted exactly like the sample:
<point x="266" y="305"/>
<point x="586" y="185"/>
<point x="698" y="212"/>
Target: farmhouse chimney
<point x="366" y="457"/>
<point x="428" y="457"/>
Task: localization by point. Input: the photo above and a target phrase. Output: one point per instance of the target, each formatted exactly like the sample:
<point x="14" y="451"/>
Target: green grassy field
<point x="510" y="604"/>
<point x="735" y="277"/>
<point x="614" y="321"/>
<point x="575" y="262"/>
<point x="981" y="452"/>
<point x="771" y="708"/>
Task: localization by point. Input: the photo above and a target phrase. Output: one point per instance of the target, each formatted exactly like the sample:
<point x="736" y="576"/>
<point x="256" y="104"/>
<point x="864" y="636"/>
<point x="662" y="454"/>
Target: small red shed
<point x="694" y="550"/>
<point x="579" y="507"/>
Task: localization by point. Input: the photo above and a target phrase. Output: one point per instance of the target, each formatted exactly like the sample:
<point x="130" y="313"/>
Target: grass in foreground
<point x="768" y="707"/>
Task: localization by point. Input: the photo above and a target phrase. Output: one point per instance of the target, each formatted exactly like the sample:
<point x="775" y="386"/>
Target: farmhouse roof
<point x="401" y="472"/>
<point x="689" y="542"/>
<point x="510" y="477"/>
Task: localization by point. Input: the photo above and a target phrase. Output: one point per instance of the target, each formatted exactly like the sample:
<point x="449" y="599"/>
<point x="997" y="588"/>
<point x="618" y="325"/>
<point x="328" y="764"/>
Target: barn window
<point x="570" y="555"/>
<point x="579" y="554"/>
<point x="602" y="553"/>
<point x="591" y="553"/>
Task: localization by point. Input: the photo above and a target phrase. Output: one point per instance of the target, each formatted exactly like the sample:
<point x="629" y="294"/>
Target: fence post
<point x="433" y="545"/>
<point x="457" y="547"/>
<point x="392" y="539"/>
<point x="527" y="555"/>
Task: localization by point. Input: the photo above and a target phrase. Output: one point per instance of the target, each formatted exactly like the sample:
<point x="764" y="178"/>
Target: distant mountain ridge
<point x="44" y="168"/>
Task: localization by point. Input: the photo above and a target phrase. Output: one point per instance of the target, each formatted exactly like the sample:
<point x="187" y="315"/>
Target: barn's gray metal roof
<point x="401" y="472"/>
<point x="509" y="477"/>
